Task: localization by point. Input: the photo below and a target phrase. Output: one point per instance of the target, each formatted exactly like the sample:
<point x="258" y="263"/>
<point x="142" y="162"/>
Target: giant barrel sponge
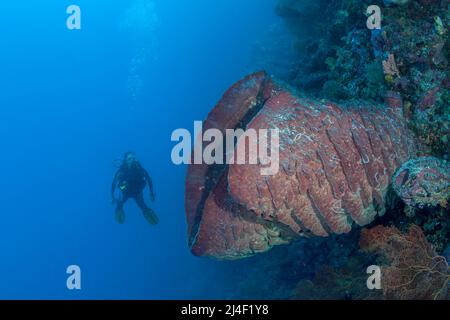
<point x="336" y="163"/>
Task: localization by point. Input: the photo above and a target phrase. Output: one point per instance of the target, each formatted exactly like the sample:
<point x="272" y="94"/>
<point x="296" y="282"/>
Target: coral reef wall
<point x="341" y="59"/>
<point x="403" y="68"/>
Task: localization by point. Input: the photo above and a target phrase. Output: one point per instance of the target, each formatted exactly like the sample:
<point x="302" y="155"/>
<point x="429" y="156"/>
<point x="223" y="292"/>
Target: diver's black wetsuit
<point x="131" y="180"/>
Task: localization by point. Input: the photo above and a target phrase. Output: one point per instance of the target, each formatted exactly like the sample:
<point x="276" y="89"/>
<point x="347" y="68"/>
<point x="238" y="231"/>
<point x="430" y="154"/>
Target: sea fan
<point x="412" y="269"/>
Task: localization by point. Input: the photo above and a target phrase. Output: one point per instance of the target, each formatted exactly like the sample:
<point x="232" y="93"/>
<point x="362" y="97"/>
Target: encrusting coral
<point x="423" y="182"/>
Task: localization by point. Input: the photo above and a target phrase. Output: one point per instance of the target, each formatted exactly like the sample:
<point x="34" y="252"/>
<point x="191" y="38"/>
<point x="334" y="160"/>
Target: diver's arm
<point x="150" y="184"/>
<point x="114" y="185"/>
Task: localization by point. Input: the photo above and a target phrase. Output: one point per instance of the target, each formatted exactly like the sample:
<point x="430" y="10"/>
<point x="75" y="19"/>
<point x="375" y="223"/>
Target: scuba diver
<point x="131" y="179"/>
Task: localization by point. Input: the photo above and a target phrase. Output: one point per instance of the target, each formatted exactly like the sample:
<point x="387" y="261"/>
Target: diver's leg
<point x="148" y="213"/>
<point x="120" y="213"/>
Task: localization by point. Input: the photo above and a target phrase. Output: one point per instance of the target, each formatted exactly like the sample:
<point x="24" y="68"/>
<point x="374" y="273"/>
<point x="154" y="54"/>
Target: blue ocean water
<point x="72" y="101"/>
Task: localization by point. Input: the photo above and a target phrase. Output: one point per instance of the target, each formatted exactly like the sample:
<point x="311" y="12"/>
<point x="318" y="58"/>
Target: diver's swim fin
<point x="151" y="217"/>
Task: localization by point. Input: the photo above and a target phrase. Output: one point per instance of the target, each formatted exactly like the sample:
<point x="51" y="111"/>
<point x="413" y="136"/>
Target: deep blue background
<point x="66" y="113"/>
